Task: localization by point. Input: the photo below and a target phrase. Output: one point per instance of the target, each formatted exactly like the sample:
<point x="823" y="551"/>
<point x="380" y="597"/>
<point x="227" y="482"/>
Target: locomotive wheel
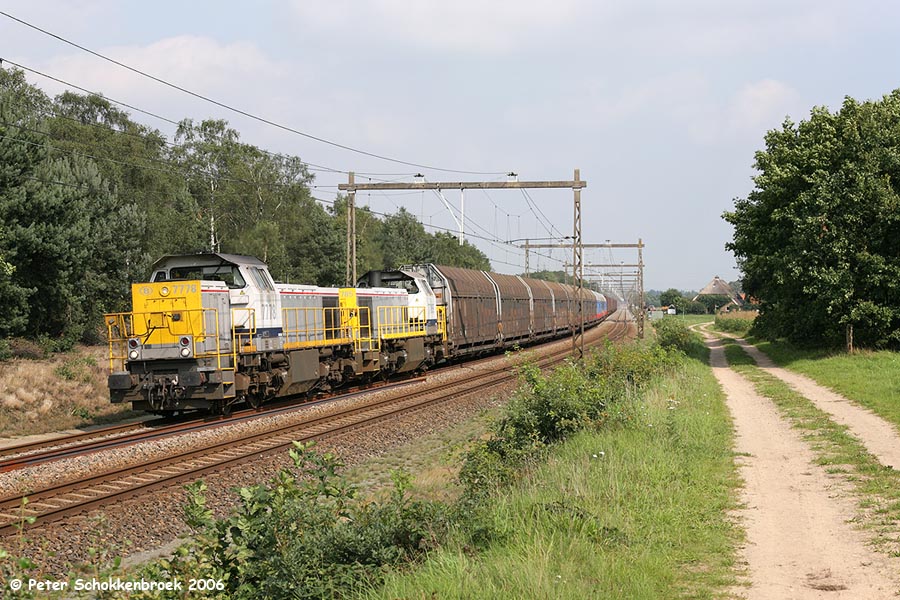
<point x="254" y="401"/>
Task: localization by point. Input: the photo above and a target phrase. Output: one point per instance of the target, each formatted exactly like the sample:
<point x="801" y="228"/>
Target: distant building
<point x="718" y="287"/>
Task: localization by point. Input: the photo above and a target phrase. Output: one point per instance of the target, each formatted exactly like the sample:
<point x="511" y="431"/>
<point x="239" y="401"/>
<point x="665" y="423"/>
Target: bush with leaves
<point x="304" y="535"/>
<point x="672" y="333"/>
<point x="738" y="322"/>
<point x="549" y="408"/>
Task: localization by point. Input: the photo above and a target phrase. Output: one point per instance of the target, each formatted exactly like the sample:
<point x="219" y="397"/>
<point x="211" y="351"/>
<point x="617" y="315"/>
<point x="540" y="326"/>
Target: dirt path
<point x="799" y="542"/>
<point x="879" y="437"/>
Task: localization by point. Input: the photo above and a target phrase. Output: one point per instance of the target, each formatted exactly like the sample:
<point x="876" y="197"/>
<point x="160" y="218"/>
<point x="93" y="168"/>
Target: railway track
<point x="25" y="455"/>
<point x="59" y="501"/>
<point x="57" y="448"/>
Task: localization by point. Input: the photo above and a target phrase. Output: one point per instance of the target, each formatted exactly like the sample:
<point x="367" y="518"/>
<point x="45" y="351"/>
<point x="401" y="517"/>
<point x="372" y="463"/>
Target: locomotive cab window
<point x="228" y="274"/>
<point x="403" y="284"/>
<point x="262" y="281"/>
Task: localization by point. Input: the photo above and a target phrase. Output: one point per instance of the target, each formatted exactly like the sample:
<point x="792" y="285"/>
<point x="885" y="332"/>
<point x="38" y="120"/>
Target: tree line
<point x="90" y="198"/>
<point x="684" y="302"/>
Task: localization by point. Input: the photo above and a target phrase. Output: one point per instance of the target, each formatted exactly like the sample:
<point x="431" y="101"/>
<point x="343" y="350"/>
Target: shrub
<point x="79" y="368"/>
<point x="304" y="535"/>
<point x="672" y="333"/>
<point x="549" y="408"/>
<point x="738" y="322"/>
<point x="27" y="349"/>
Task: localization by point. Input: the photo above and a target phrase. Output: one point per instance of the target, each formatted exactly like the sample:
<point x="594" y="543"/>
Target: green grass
<point x="877" y="487"/>
<point x="870" y="378"/>
<point x="691" y="319"/>
<point x="433" y="460"/>
<point x="639" y="511"/>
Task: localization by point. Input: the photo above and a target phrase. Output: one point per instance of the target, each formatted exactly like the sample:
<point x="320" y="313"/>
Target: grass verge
<point x="633" y="511"/>
<point x="735" y="322"/>
<point x="877" y="487"/>
<point x="61" y="391"/>
<point x="868" y="377"/>
<point x="689" y="320"/>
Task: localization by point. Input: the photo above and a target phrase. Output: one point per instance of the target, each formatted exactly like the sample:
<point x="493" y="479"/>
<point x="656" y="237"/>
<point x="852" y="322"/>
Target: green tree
<point x="403" y="240"/>
<point x="446" y="250"/>
<point x="672" y="296"/>
<point x="21" y="150"/>
<point x="207" y="153"/>
<point x="818" y="239"/>
<point x="137" y="162"/>
<point x="66" y="238"/>
<point x="315" y="247"/>
<point x="555" y="276"/>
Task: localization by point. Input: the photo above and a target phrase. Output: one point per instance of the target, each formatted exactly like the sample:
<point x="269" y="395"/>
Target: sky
<point x="660" y="104"/>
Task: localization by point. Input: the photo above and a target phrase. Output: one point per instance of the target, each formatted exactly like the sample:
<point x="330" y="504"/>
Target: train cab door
<point x="422" y="302"/>
<point x="256" y="309"/>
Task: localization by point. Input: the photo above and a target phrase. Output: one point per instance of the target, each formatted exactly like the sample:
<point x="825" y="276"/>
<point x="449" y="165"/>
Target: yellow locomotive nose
<point x="166" y="312"/>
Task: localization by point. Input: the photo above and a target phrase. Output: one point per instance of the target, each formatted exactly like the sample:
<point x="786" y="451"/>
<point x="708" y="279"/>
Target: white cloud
<point x="197" y="63"/>
<point x="762" y="105"/>
<point x="715" y="28"/>
<point x="473" y="26"/>
<point x="685" y="102"/>
<point x="237" y="73"/>
<point x="656" y="27"/>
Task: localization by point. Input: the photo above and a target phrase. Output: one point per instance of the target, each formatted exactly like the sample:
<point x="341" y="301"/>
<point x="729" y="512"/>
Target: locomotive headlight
<point x="164" y="291"/>
<point x="133" y="355"/>
<point x="185" y="352"/>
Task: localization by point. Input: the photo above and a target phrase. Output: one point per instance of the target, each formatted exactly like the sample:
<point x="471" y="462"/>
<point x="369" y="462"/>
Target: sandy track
<point x="799" y="542"/>
<point x="878" y="436"/>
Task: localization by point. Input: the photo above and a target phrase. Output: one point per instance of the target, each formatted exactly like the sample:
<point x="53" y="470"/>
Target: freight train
<point x="209" y="331"/>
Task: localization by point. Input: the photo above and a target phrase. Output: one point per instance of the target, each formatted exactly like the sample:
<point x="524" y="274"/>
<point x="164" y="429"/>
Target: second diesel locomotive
<point x="212" y="330"/>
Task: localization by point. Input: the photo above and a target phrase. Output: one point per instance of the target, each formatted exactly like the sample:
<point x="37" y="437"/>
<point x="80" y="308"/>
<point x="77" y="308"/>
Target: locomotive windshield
<point x="402" y="284"/>
<point x="229" y="274"/>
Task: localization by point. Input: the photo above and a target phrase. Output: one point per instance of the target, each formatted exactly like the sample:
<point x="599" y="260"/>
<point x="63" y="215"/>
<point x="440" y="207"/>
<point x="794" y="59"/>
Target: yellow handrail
<point x="313" y="327"/>
<point x="442" y="322"/>
<point x="401" y="322"/>
<point x="120" y="327"/>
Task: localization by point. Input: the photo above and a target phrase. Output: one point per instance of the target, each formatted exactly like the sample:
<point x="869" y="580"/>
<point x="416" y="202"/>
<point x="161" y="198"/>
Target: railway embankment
<point x="623" y="478"/>
<point x="636" y="506"/>
<point x="154" y="519"/>
<point x="43" y="392"/>
<point x="596" y="455"/>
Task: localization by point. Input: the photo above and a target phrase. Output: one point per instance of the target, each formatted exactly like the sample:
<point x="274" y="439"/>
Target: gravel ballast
<point x="155" y="520"/>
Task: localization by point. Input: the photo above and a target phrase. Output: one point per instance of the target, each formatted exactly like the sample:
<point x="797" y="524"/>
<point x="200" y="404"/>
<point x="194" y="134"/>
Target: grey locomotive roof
<point x="206" y="258"/>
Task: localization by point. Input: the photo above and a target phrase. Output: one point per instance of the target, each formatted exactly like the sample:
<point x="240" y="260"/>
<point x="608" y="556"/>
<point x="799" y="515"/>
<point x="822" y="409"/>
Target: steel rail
<point x="60" y="448"/>
<point x="66" y="499"/>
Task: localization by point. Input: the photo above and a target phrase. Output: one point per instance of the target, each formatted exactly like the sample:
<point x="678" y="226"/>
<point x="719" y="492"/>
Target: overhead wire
<point x="310" y="165"/>
<point x="493" y="240"/>
<point x="162" y="139"/>
<point x="436" y="227"/>
<point x="82" y="186"/>
<point x="169" y="167"/>
<point x="241" y="111"/>
<point x="536" y="210"/>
